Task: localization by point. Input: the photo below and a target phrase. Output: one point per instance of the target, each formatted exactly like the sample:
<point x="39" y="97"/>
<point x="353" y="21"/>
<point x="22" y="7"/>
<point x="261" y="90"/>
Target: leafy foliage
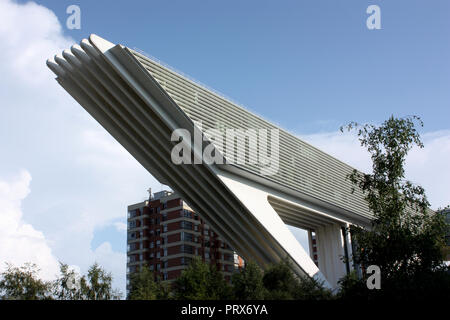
<point x="248" y="283"/>
<point x="144" y="287"/>
<point x="98" y="285"/>
<point x="22" y="283"/>
<point x="65" y="287"/>
<point x="201" y="281"/>
<point x="282" y="284"/>
<point x="406" y="238"/>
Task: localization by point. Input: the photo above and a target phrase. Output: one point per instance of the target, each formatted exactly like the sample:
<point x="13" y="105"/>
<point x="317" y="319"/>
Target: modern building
<point x="164" y="233"/>
<point x="249" y="200"/>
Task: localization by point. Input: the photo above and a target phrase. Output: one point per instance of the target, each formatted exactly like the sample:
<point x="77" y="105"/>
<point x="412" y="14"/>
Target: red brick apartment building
<point x="165" y="234"/>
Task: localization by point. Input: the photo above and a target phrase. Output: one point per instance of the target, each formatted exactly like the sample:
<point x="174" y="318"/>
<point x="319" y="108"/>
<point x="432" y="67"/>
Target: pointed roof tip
<point x="56" y="69"/>
<point x="101" y="44"/>
<point x="50" y="61"/>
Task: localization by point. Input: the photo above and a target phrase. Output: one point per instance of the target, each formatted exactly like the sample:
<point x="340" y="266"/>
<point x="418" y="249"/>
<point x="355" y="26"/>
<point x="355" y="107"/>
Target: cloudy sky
<point x="310" y="67"/>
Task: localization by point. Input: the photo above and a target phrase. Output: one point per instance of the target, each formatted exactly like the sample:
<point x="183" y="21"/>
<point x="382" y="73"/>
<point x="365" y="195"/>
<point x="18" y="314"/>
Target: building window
<point x="186" y="225"/>
<point x="185" y="236"/>
<point x="132" y="235"/>
<point x="185" y="213"/>
<point x="165" y="252"/>
<point x="185" y="261"/>
<point x="133" y="213"/>
<point x="165" y="276"/>
<point x="133" y="246"/>
<point x="165" y="228"/>
<point x="186" y="249"/>
<point x="158" y="255"/>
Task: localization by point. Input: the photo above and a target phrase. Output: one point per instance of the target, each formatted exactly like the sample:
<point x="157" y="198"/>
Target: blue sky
<point x="309" y="66"/>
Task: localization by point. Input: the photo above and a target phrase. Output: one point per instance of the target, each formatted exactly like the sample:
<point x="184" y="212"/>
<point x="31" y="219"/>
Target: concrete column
<point x="348" y="241"/>
<point x="330" y="244"/>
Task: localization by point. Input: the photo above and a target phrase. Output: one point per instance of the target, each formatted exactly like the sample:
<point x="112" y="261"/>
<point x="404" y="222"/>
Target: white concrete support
<point x="255" y="199"/>
<point x="330" y="247"/>
<point x="348" y="241"/>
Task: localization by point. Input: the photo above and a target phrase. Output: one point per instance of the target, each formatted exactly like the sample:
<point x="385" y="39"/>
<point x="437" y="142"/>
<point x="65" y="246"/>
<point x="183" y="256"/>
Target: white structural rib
<point x="122" y="95"/>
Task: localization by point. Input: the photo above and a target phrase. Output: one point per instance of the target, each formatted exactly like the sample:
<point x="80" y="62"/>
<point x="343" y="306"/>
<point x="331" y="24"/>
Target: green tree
<point x="22" y="283"/>
<point x="312" y="289"/>
<point x="248" y="283"/>
<point x="282" y="284"/>
<point x="405" y="238"/>
<point x="67" y="285"/>
<point x="201" y="281"/>
<point x="98" y="285"/>
<point x="352" y="287"/>
<point x="144" y="287"/>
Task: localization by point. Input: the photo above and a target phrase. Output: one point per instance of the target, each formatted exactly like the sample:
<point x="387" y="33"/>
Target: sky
<point x="308" y="66"/>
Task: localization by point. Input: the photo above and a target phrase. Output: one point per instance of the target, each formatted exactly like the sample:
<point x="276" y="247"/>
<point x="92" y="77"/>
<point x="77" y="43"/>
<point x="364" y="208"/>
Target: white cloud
<point x="120" y="226"/>
<point x="428" y="167"/>
<point x="112" y="261"/>
<point x="83" y="179"/>
<point x="19" y="241"/>
<point x="30" y="34"/>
